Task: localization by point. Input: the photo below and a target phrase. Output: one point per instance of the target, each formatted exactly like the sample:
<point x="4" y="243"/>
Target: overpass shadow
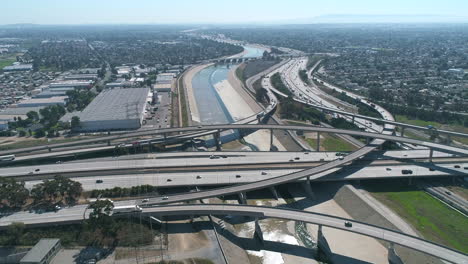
<point x="254" y="244"/>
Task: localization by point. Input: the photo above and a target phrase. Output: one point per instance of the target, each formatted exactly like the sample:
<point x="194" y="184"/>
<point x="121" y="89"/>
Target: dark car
<point x="457" y="166"/>
<point x="169" y="180"/>
<point x="431" y="169"/>
<point x="198" y="177"/>
<point x="99" y="181"/>
<point x="348" y="224"/>
<point x="36" y="170"/>
<point x="238" y="176"/>
<point x="406" y="171"/>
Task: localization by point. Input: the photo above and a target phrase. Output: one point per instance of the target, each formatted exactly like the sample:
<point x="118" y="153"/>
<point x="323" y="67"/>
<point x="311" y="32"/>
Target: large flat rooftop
<point x="116" y="104"/>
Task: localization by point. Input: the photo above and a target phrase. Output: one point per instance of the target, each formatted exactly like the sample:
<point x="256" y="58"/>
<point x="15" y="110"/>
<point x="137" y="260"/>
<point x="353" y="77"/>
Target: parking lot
<point x="160" y="114"/>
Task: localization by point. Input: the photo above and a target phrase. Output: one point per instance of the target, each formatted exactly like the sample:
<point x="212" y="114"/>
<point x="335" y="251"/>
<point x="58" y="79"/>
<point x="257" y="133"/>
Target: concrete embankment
<point x="362" y="208"/>
<point x="192" y="103"/>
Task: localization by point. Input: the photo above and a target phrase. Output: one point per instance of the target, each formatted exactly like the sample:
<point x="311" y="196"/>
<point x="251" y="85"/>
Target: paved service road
<point x="396" y="237"/>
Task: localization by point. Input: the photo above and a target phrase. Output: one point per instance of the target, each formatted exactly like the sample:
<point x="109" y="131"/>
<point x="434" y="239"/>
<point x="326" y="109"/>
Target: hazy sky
<point x="211" y="11"/>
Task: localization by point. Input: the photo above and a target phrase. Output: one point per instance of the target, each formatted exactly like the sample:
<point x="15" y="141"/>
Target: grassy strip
<point x="240" y="73"/>
<point x="183" y="103"/>
<point x="432" y="218"/>
<point x="331" y="143"/>
<point x="417" y="122"/>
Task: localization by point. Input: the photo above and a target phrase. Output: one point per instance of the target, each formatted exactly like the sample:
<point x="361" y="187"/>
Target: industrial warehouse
<point x="113" y="109"/>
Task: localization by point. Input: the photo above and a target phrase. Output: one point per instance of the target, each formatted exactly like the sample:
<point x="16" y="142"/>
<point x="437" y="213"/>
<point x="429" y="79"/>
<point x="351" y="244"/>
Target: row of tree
<point x="59" y="190"/>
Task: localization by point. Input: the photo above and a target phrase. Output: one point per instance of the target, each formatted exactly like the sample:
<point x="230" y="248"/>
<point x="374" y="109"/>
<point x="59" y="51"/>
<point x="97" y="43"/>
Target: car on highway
<point x="31" y="172"/>
<point x="389" y="169"/>
<point x="36" y="170"/>
<point x="348" y="224"/>
<point x="448" y="193"/>
<point x="238" y="176"/>
<point x="457" y="166"/>
<point x="432" y="169"/>
<point x="168" y="180"/>
<point x="215" y="157"/>
<point x="99" y="181"/>
<point x="145" y="200"/>
<point x="165" y="198"/>
<point x="264" y="173"/>
<point x="406" y="172"/>
<point x="198" y="177"/>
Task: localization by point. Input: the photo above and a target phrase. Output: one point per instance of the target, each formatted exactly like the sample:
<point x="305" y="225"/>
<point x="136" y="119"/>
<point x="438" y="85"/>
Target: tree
<point x="75" y="123"/>
<point x="33" y="115"/>
<point x="15" y="231"/>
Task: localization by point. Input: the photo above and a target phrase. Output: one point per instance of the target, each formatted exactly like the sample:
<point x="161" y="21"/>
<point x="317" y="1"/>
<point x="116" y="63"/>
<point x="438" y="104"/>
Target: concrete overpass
<point x="77" y="214"/>
<point x="380" y="233"/>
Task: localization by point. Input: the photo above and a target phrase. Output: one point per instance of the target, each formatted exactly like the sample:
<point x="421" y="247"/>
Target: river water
<point x="210" y="106"/>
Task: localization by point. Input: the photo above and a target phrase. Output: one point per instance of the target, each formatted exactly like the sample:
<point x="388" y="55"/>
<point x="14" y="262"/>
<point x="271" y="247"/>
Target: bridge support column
<point x="217" y="138"/>
<point x="271" y="139"/>
<point x="410" y="180"/>
<point x="431" y="154"/>
<point x="318" y="142"/>
<point x="165" y="136"/>
<point x="393" y="258"/>
<point x="353" y="119"/>
<point x="275" y="193"/>
<point x="108" y="143"/>
<point x="324" y="252"/>
<point x="402" y="131"/>
<point x="367" y="141"/>
<point x="243" y="198"/>
<point x="449" y="139"/>
<point x="308" y="189"/>
<point x="258" y="234"/>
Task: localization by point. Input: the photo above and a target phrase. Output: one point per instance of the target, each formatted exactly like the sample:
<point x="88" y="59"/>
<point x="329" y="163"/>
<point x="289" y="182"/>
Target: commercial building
<point x="36" y="102"/>
<point x="91" y="77"/>
<point x="165" y="78"/>
<point x="162" y="87"/>
<point x="71" y="84"/>
<point x="113" y="109"/>
<point x="42" y="252"/>
<point x="18" y="67"/>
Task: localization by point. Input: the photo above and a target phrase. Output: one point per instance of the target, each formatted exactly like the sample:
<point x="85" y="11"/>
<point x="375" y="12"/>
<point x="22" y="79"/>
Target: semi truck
<point x="126" y="209"/>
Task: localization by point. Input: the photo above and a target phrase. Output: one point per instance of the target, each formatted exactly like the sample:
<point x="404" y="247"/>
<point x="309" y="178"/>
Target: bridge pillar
<point x="108" y="143"/>
<point x="318" y="142"/>
<point x="410" y="180"/>
<point x="258" y="234"/>
<point x="271" y="139"/>
<point x="217" y="138"/>
<point x="393" y="258"/>
<point x="353" y="119"/>
<point x="402" y="131"/>
<point x="324" y="252"/>
<point x="165" y="136"/>
<point x="275" y="193"/>
<point x="367" y="140"/>
<point x="50" y="149"/>
<point x="431" y="154"/>
<point x="308" y="189"/>
<point x="449" y="139"/>
<point x="242" y="198"/>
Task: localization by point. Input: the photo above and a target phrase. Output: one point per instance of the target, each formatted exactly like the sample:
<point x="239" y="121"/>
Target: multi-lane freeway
<point x="78" y="213"/>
